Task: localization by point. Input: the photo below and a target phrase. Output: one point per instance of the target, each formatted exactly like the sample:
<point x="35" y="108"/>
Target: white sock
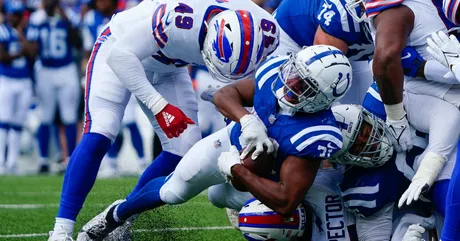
<point x="14" y="141"/>
<point x="142" y="162"/>
<point x="64" y="225"/>
<point x="113" y="162"/>
<point x="3" y="134"/>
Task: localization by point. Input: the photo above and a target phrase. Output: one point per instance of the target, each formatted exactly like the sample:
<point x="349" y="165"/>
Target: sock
<point x="136" y="139"/>
<point x="145" y="199"/>
<point x="71" y="137"/>
<point x="116" y="147"/>
<point x="3" y="136"/>
<point x="451" y="229"/>
<point x="112" y="161"/>
<point x="64" y="225"/>
<point x="163" y="165"/>
<point x="439" y="194"/>
<point x="14" y="138"/>
<point x="43" y="137"/>
<point x="81" y="173"/>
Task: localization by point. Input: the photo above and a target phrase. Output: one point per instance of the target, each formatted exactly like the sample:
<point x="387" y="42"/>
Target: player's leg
<point x="105" y="100"/>
<point x="6" y="113"/>
<point x="22" y="102"/>
<point x="46" y="94"/>
<point x="226" y="196"/>
<point x="196" y="171"/>
<point x="68" y="100"/>
<point x="177" y="89"/>
<point x="129" y="120"/>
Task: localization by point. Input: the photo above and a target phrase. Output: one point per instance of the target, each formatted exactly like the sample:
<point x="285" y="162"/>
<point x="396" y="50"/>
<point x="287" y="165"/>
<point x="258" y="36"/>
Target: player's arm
<point x="297" y="175"/>
<point x="231" y="99"/>
<point x="32" y="36"/>
<point x="322" y="37"/>
<point x="5" y="57"/>
<point x="74" y="34"/>
<point x="125" y="57"/>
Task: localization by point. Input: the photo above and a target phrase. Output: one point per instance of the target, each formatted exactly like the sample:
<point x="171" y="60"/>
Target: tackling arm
<point x="297" y="175"/>
<point x="231" y="99"/>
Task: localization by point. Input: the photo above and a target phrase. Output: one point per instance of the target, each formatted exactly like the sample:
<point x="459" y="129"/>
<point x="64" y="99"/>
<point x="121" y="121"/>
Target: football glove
<point x="426" y="175"/>
<point x="414" y="233"/>
<point x="411" y="61"/>
<point x="227" y="160"/>
<point x="172" y="121"/>
<point x="254" y="134"/>
<point x="400" y="130"/>
<point x="444" y="49"/>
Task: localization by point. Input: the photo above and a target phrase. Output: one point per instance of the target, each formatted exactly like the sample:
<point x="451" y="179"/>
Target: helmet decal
<point x="221" y="45"/>
<point x="247" y="41"/>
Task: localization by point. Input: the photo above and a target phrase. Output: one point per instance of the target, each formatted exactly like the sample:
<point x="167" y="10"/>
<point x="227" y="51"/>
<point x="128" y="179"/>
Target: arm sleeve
<point x="125" y="58"/>
<point x="318" y="144"/>
<point x="450" y="8"/>
<point x="333" y="19"/>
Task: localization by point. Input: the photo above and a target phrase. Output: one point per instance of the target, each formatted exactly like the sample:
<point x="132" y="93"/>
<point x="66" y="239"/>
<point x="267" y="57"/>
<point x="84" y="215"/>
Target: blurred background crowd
<point x="42" y="107"/>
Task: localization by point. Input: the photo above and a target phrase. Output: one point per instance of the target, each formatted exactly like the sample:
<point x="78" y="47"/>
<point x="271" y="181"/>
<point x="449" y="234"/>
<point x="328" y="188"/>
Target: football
<point x="262" y="166"/>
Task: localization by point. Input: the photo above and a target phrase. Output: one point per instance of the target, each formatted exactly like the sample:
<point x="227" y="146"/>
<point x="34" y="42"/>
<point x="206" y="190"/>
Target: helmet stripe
<point x="322" y="55"/>
<point x="270" y="220"/>
<point x="247" y="41"/>
<point x="220" y="39"/>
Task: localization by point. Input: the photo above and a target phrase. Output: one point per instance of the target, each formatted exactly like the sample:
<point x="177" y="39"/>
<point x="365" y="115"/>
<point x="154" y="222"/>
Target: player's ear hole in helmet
<point x="233" y="46"/>
<point x="312" y="79"/>
<point x="366" y="138"/>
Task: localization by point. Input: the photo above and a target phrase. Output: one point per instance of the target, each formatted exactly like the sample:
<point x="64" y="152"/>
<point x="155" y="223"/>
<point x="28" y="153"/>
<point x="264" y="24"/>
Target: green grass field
<point x="28" y="206"/>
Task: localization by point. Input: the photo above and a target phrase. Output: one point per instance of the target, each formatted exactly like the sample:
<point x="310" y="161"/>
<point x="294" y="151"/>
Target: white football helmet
<point x="357" y="150"/>
<point x="259" y="222"/>
<point x="313" y="79"/>
<point x="234" y="45"/>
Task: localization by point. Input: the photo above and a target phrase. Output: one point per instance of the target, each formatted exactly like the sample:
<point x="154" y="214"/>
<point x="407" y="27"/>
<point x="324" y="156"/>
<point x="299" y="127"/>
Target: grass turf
<point x="157" y="225"/>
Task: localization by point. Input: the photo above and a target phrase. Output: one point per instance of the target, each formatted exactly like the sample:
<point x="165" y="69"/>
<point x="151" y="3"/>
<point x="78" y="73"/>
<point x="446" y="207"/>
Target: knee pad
<point x="226" y="196"/>
<point x="171" y="191"/>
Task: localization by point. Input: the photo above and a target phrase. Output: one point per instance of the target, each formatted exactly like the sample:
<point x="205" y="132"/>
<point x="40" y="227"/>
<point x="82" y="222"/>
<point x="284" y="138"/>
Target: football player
<point x="144" y="51"/>
<point x="290" y="93"/>
<point x="94" y="22"/>
<point x="327" y="22"/>
<point x="54" y="37"/>
<point x="15" y="84"/>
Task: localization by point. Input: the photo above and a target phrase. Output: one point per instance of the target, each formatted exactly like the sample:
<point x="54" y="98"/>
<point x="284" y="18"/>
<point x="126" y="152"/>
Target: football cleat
<point x="98" y="228"/>
<point x="59" y="236"/>
<point x="232" y="215"/>
<point x="123" y="232"/>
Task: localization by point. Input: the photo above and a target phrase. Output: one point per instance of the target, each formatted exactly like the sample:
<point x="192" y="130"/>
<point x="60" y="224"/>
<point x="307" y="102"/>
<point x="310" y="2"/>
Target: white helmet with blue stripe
<point x="313" y="79"/>
<point x="366" y="138"/>
<point x="234" y="45"/>
<point x="258" y="222"/>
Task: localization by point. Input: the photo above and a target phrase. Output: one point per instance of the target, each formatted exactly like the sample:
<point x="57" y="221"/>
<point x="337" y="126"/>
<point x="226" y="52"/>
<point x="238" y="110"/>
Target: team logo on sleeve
<point x="221" y="45"/>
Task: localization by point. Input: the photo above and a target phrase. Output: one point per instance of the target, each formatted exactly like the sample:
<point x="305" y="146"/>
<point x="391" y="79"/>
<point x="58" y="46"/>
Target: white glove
<point x="254" y="133"/>
<point x="414" y="233"/>
<point x="227" y="160"/>
<point x="426" y="175"/>
<point x="446" y="50"/>
<point x="400" y="130"/>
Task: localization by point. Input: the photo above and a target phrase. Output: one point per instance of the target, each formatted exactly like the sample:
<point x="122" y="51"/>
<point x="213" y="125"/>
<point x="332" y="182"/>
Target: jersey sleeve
<point x="271" y="31"/>
<point x="320" y="141"/>
<point x="334" y="19"/>
<point x="4" y="34"/>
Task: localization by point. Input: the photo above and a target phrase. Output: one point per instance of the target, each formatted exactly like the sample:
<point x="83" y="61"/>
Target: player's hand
<point x="400" y="130"/>
<point x="227" y="160"/>
<point x="416" y="188"/>
<point x="445" y="49"/>
<point x="172" y="121"/>
<point x="254" y="133"/>
<point x="208" y="93"/>
<point x="411" y="61"/>
<point x="414" y="233"/>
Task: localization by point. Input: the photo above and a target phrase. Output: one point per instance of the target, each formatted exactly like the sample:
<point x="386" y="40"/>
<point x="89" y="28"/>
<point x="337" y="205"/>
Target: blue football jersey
<point x="304" y="135"/>
<point x="53" y="37"/>
<point x="300" y="20"/>
<point x="19" y="67"/>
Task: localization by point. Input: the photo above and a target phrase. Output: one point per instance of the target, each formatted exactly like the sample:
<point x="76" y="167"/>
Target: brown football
<point x="262" y="167"/>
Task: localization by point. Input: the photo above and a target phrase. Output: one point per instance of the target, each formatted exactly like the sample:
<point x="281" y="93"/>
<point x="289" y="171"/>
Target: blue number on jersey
<point x="300" y="20"/>
<point x="53" y="37"/>
<point x="19" y="67"/>
<point x="313" y="135"/>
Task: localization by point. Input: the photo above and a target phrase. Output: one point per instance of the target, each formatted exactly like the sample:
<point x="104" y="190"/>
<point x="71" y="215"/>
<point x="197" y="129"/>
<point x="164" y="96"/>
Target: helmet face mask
<point x="367" y="140"/>
<point x="306" y="84"/>
<point x="356" y="10"/>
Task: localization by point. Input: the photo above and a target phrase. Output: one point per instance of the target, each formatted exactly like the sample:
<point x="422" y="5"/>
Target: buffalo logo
<point x="221" y="45"/>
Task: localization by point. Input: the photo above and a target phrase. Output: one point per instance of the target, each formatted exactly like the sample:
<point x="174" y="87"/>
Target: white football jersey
<point x="179" y="28"/>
